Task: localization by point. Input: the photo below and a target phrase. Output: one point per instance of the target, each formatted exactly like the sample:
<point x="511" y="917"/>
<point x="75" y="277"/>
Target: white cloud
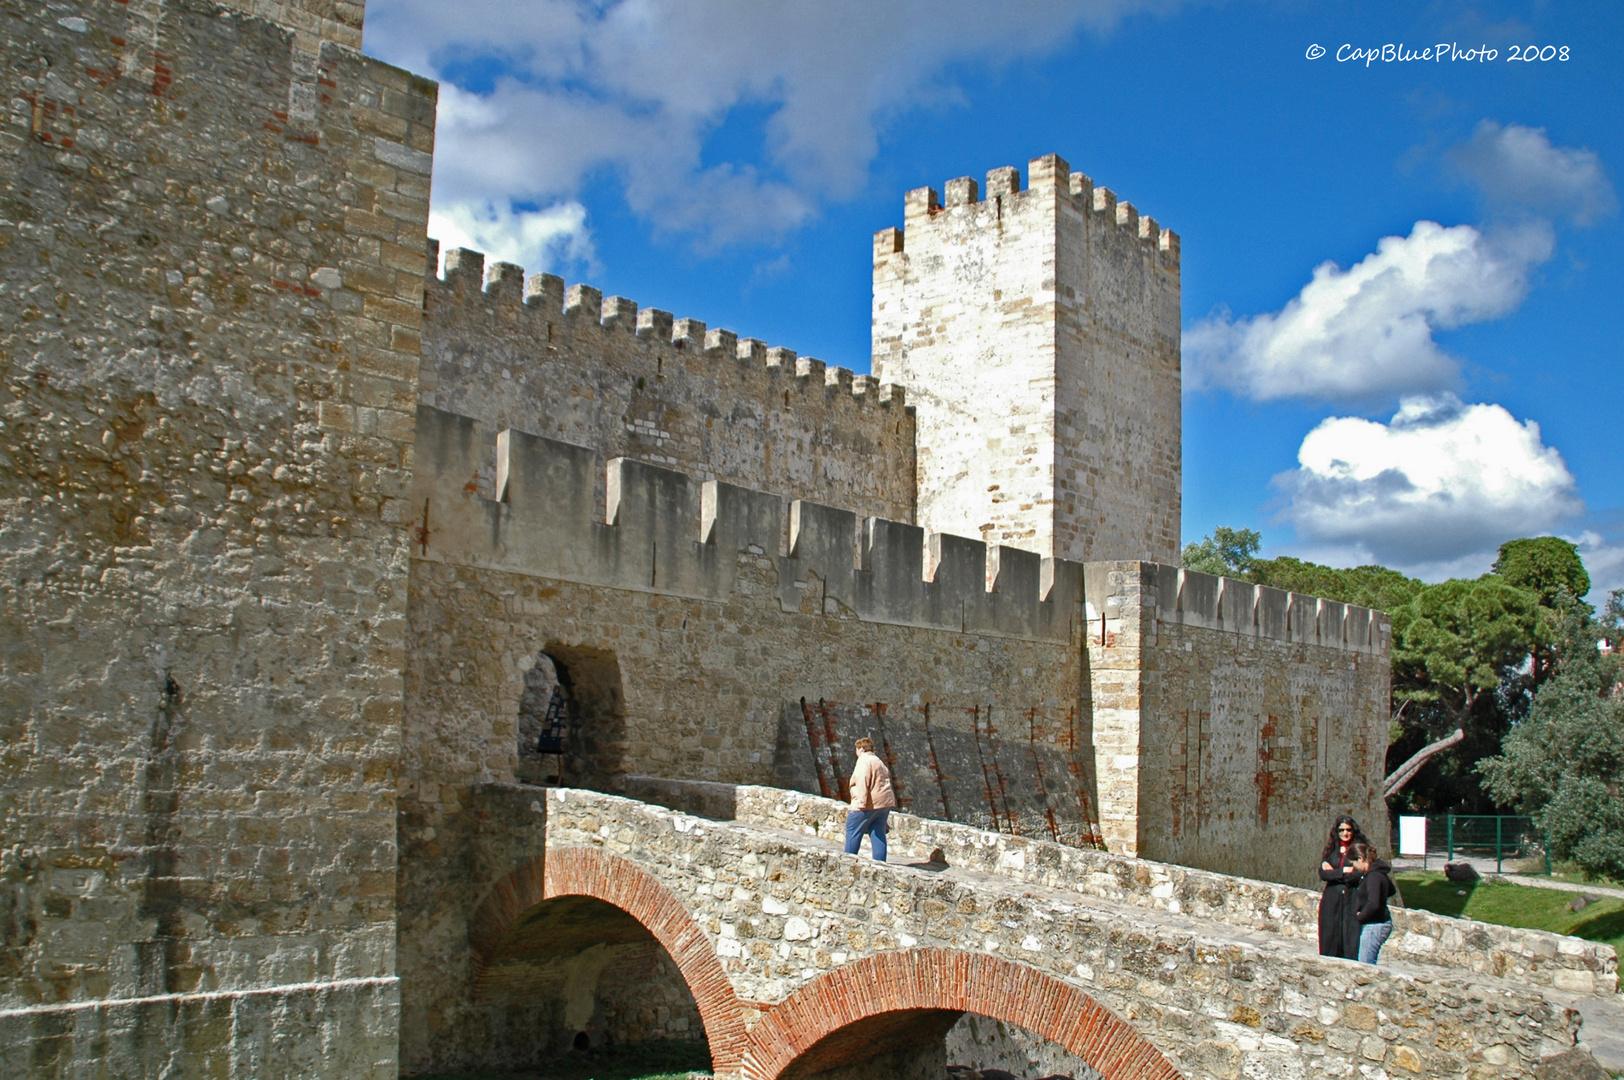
<point x="536" y="238"/>
<point x="1434" y="491"/>
<point x="1366" y="333"/>
<point x="1517" y="168"/>
<point x="637" y="89"/>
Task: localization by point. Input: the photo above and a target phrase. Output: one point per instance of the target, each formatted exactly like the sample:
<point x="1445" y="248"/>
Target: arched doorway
<point x="584" y="949"/>
<point x="894" y="1011"/>
<point x="572" y="719"/>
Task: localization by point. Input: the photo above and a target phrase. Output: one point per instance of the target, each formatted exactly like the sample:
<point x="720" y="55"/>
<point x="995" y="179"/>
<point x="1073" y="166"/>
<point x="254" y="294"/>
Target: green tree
<point x="1223" y="551"/>
<point x="1546" y="565"/>
<point x="1564" y="764"/>
<point x="1456" y="647"/>
<point x="1551" y="568"/>
<point x="1368" y="586"/>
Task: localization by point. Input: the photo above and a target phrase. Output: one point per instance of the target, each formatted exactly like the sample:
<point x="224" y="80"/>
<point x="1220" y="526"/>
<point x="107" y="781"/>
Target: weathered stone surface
<point x="1037" y="331"/>
<point x="292" y="527"/>
<point x="200" y="531"/>
<point x="669" y="394"/>
<point x="1575" y="1064"/>
<point x="1213" y="1001"/>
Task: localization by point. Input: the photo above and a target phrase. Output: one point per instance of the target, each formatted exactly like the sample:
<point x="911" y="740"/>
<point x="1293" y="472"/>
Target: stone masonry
<point x="292" y="525"/>
<point x="803" y="960"/>
<point x="212" y="233"/>
<point x="1038" y="330"/>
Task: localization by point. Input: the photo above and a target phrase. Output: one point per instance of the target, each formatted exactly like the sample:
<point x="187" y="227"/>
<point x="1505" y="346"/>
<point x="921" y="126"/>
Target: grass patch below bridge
<point x="1515" y="905"/>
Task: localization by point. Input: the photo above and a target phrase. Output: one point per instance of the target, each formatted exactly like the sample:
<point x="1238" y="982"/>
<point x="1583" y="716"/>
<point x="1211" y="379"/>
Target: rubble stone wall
<point x="212" y="239"/>
<point x="1232" y="722"/>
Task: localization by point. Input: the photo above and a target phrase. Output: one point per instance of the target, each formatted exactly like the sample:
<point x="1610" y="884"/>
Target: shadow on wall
<point x="576" y="973"/>
<point x="926" y="1044"/>
<point x="572" y="719"/>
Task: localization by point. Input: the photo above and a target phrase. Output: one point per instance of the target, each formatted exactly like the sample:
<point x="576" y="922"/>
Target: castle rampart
<point x="1171" y="711"/>
<point x="574" y="366"/>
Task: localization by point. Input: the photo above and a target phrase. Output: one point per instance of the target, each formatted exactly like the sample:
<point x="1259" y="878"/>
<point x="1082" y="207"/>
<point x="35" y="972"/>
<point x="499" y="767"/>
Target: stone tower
<point x="1038" y="334"/>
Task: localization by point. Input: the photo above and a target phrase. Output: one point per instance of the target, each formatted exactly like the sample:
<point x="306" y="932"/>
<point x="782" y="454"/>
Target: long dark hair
<point x="1331" y="844"/>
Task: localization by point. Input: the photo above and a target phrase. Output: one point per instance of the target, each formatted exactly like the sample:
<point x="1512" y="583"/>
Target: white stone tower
<point x="1037" y="332"/>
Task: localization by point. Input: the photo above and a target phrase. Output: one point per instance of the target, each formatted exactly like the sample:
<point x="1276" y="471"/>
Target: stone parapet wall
<point x="554" y="511"/>
<point x="1421" y="940"/>
<point x="784" y="912"/>
<point x="601" y="373"/>
<point x="1232" y="722"/>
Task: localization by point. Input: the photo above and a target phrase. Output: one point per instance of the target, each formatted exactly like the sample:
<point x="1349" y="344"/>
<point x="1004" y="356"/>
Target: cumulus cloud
<point x="639" y="89"/>
<point x="533" y="238"/>
<point x="1435" y="490"/>
<point x="1366" y="333"/>
<point x="1517" y="169"/>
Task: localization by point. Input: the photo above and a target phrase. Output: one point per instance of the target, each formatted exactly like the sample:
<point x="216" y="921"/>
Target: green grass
<point x="658" y="1060"/>
<point x="1515" y="905"/>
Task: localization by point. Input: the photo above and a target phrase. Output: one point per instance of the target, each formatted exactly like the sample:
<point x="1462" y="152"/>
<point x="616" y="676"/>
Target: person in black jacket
<point x="1375" y="886"/>
<point x="1338" y="926"/>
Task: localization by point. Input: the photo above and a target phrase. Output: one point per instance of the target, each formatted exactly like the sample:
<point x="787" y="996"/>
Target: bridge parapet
<point x="786" y="914"/>
<point x="1428" y="941"/>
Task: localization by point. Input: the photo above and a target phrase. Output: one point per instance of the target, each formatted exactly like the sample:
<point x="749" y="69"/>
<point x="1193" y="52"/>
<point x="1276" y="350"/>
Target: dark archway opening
<point x="576" y="975"/>
<point x="572" y="719"/>
<point x="928" y="1044"/>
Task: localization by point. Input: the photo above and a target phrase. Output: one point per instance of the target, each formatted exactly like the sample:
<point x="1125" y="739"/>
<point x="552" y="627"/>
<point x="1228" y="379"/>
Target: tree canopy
<point x="1224" y="551"/>
<point x="1564" y="764"/>
<point x="1545" y="565"/>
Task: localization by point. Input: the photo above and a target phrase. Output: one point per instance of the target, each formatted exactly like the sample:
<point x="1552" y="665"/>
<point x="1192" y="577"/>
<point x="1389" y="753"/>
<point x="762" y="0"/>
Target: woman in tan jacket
<point x="872" y="801"/>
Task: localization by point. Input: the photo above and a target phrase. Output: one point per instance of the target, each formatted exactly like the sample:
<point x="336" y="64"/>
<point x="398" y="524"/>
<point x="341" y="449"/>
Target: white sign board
<point x="1412" y="835"/>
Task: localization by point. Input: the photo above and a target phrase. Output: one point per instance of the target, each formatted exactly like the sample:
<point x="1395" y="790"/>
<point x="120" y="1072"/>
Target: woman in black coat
<point x="1339" y="907"/>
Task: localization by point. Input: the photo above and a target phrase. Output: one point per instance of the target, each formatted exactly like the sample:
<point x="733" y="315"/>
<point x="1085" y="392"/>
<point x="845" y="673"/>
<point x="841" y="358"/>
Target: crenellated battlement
<point x="1179" y="597"/>
<point x="564" y="361"/>
<point x="666" y="532"/>
<point x="1047" y="177"/>
<point x="561" y="510"/>
<point x="467" y="282"/>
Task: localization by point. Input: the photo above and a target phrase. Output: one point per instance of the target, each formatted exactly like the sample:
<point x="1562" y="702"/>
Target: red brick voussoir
<point x="576" y="871"/>
<point x="941" y="979"/>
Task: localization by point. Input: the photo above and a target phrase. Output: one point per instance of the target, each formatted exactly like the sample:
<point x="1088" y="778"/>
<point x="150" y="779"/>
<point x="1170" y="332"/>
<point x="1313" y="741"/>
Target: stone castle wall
<point x="598" y="372"/>
<point x="1232" y="722"/>
<point x="725" y="639"/>
<point x="289" y="521"/>
<point x="1037" y="331"/>
<point x="212" y="238"/>
<point x="704" y="641"/>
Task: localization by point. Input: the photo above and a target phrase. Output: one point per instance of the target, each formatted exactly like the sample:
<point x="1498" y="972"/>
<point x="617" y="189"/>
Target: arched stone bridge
<point x="805" y="961"/>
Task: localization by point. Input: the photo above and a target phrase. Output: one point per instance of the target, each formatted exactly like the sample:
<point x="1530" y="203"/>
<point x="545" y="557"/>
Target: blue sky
<point x="1402" y="311"/>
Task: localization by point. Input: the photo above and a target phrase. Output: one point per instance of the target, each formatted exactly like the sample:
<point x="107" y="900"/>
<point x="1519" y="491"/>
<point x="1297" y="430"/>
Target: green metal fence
<point x="1505" y="838"/>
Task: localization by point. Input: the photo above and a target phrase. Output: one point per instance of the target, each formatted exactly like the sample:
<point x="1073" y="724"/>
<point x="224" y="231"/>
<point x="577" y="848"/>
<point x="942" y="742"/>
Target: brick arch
<point x="579" y="871"/>
<point x="935" y="979"/>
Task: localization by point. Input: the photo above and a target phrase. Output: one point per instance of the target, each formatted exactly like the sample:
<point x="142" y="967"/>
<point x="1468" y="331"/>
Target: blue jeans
<point x="872" y="822"/>
<point x="1372" y="936"/>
